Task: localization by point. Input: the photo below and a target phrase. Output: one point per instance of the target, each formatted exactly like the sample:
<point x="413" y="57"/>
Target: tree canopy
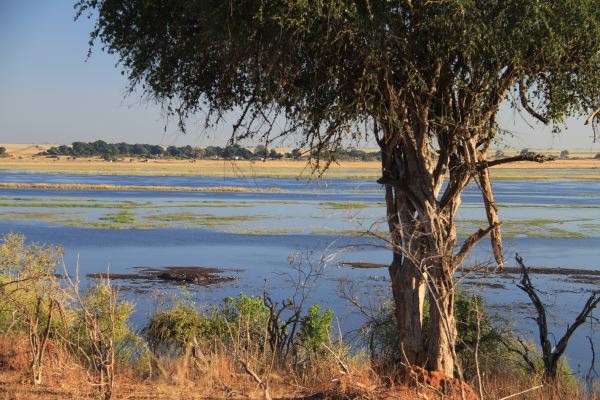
<point x="425" y="79"/>
<point x="329" y="66"/>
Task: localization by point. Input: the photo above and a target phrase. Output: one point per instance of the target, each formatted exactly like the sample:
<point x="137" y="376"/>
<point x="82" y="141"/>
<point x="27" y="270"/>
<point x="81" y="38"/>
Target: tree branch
<point x="540" y="158"/>
<point x="528" y="108"/>
<point x="470" y="242"/>
<point x="592" y="116"/>
<point x="551" y="355"/>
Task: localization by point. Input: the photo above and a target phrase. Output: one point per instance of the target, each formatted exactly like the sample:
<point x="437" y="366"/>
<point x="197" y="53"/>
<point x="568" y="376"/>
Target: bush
<point x="30" y="297"/>
<point x="382" y="334"/>
<point x="241" y="320"/>
<point x="174" y="329"/>
<point x="315" y="328"/>
<point x="112" y="316"/>
<point x="243" y="323"/>
<point x="31" y="269"/>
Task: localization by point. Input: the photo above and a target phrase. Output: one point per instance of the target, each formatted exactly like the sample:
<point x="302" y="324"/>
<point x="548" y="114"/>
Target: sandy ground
<point x="24" y="158"/>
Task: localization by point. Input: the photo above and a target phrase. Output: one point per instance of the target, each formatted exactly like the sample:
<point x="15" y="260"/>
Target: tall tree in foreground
<point x="424" y="78"/>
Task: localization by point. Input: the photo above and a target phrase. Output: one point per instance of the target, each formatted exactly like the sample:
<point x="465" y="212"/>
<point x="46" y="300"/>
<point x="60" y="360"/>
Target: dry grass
<point x="219" y="376"/>
<point x="214" y="376"/>
<point x="23" y="158"/>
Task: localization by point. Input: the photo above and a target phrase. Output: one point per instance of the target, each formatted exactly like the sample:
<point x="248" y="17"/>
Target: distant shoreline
<point x="23" y="158"/>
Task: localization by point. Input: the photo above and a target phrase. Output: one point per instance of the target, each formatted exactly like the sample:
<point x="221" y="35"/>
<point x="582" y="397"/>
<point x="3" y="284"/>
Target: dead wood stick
<point x="523" y="392"/>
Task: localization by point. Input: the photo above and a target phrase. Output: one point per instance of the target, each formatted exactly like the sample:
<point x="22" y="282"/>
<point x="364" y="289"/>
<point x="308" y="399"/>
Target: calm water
<point x="550" y="223"/>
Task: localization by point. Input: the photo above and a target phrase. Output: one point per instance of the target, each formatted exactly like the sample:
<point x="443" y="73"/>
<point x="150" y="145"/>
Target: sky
<point x="51" y="92"/>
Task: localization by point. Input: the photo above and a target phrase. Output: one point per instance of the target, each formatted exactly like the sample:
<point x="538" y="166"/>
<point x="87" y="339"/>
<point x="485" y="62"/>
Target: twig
<point x="339" y="360"/>
<point x="523" y="392"/>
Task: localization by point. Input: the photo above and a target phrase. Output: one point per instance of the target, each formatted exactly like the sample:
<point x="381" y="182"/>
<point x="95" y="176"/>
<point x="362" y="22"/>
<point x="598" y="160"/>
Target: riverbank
<point x="24" y="158"/>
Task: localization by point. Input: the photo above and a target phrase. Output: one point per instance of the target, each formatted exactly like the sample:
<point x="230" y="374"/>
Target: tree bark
<point x="491" y="211"/>
<point x="442" y="325"/>
<point x="408" y="285"/>
<point x="408" y="288"/>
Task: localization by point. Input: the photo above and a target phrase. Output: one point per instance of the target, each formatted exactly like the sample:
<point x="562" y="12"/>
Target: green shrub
<point x="495" y="358"/>
<point x="243" y="323"/>
<point x="241" y="320"/>
<point x="315" y="328"/>
<point x="28" y="275"/>
<point x="112" y="315"/>
<point x="174" y="329"/>
<point x="382" y="332"/>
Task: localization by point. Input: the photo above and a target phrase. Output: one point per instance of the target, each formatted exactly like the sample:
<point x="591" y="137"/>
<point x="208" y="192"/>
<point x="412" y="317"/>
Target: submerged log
<point x="492" y="270"/>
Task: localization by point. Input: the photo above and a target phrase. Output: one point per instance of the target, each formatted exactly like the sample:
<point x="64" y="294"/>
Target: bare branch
<point x="551" y="355"/>
<point x="540" y="158"/>
<point x="592" y="116"/>
<point x="527" y="107"/>
<point x="470" y="242"/>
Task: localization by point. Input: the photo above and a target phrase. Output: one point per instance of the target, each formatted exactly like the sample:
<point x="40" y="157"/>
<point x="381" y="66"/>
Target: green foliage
<point x="112" y="152"/>
<point x="27" y="283"/>
<point x="238" y="322"/>
<point x="2" y="151"/>
<point x="315" y="328"/>
<point x="327" y="66"/>
<point x="242" y="319"/>
<point x="469" y="311"/>
<point x="175" y="328"/>
<point x="112" y="315"/>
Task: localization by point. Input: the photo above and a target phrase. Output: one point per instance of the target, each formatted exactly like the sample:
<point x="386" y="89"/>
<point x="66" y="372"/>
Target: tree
<point x="261" y="151"/>
<point x="564" y="154"/>
<point x="2" y="150"/>
<point x="425" y="79"/>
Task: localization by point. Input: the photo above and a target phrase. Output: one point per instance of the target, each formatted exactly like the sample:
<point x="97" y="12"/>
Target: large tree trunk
<point x="442" y="325"/>
<point x="423" y="232"/>
<point x="408" y="288"/>
<point x="408" y="285"/>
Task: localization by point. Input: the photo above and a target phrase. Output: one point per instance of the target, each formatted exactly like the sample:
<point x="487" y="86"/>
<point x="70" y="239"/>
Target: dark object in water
<point x="190" y="275"/>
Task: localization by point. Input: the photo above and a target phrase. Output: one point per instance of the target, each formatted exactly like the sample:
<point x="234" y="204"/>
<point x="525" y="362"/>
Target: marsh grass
<point x="344" y="205"/>
<point x="121" y="217"/>
<point x="187" y="218"/>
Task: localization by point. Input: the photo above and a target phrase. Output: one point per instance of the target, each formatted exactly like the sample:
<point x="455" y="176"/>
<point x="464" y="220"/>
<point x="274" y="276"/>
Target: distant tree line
<point x="114" y="151"/>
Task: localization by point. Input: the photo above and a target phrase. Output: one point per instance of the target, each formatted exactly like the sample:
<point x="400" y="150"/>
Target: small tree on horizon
<point x="425" y="80"/>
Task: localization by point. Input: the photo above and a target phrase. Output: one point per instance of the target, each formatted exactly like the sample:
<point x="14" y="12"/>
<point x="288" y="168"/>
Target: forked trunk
<point x="36" y="370"/>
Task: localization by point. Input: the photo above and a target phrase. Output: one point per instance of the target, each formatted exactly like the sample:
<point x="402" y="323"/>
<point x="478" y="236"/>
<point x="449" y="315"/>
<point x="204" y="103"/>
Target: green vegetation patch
<point x="344" y="205"/>
<point x="122" y="217"/>
<point x="201" y="220"/>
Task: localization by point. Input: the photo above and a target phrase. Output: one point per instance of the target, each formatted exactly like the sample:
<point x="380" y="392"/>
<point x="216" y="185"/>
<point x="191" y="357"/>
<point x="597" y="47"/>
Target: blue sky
<point x="51" y="93"/>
